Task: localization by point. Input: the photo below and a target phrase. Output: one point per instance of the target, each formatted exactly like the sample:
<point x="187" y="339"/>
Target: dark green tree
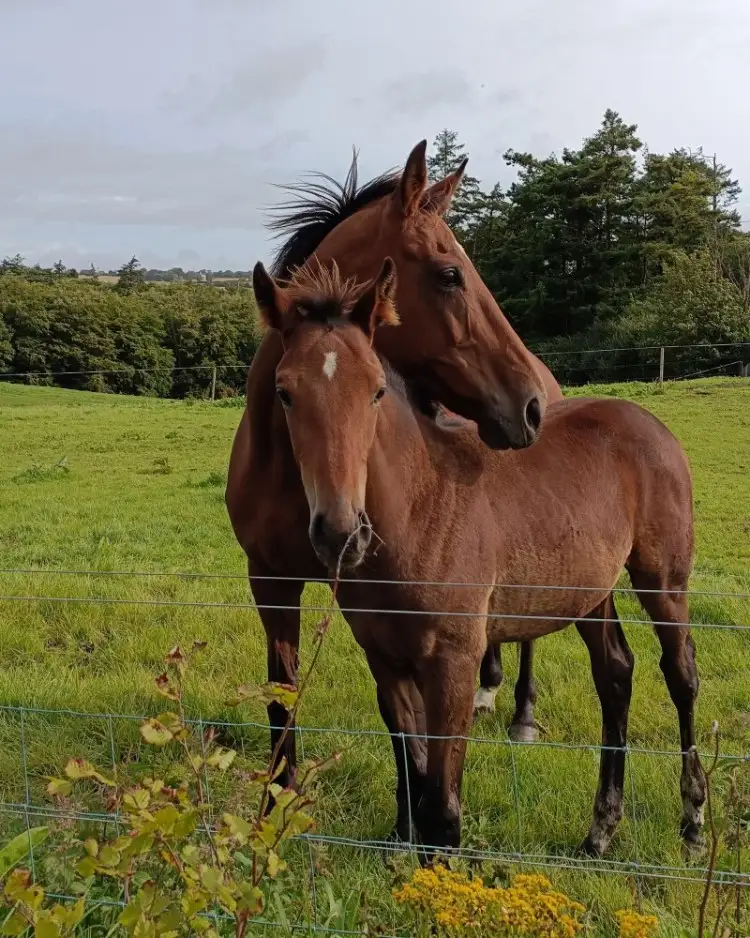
<point x="59" y="269"/>
<point x="12" y="265"/>
<point x="466" y="208"/>
<point x="130" y="276"/>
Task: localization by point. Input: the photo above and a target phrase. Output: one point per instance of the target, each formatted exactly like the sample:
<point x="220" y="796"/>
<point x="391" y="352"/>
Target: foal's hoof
<point x="523" y="732"/>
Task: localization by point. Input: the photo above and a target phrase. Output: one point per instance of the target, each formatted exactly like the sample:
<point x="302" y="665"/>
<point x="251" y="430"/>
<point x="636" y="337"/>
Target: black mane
<point x="317" y="207"/>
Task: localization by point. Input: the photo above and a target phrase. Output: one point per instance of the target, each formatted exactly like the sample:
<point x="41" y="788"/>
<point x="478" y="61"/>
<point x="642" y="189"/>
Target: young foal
<point x="447" y="509"/>
<point x="454" y="341"/>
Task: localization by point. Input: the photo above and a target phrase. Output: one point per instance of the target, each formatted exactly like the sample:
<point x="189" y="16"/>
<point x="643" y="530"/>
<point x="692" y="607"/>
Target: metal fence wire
<point x="33" y="735"/>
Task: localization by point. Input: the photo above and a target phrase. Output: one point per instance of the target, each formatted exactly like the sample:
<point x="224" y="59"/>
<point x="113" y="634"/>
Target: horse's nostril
<point x="533" y="414"/>
<point x="317" y="528"/>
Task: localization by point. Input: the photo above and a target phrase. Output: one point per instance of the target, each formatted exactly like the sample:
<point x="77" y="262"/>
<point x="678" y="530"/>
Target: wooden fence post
<point x="661" y="365"/>
<point x="213" y="384"/>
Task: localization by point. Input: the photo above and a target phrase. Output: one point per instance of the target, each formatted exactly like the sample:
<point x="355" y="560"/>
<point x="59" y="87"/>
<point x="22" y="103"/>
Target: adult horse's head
<point x="454" y="342"/>
<point x="330" y="382"/>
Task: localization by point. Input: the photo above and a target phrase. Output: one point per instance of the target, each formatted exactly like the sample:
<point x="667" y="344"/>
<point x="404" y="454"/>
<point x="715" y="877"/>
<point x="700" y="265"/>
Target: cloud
<point x="415" y="95"/>
<point x="255" y="88"/>
<point x="57" y="175"/>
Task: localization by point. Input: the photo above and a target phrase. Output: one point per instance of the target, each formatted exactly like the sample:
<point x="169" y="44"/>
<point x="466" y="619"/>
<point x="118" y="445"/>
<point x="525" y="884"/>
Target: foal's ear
<point x="272" y="302"/>
<point x="376" y="307"/>
<point x="438" y="197"/>
<point x="413" y="180"/>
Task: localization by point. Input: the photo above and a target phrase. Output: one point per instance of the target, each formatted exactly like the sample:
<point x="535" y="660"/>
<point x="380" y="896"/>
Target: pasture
<point x="103" y="483"/>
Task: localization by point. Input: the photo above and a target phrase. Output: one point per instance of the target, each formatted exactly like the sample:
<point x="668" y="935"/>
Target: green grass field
<point x="100" y="483"/>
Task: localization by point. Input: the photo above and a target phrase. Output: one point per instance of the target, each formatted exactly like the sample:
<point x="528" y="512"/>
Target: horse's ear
<point x="376" y="307"/>
<point x="413" y="180"/>
<point x="271" y="299"/>
<point x="439" y="195"/>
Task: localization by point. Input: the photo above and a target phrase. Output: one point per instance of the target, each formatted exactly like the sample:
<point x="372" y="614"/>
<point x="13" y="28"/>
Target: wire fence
<point x="571" y="366"/>
<point x="30" y="735"/>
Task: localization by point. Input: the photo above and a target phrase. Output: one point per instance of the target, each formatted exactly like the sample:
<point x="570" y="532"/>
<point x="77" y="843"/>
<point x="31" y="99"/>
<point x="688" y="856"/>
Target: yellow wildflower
<point x="529" y="908"/>
<point x="635" y="925"/>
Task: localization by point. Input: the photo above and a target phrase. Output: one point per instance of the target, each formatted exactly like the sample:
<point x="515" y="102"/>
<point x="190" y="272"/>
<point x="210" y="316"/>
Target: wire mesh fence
<point x="34" y="737"/>
<point x="571" y="366"/>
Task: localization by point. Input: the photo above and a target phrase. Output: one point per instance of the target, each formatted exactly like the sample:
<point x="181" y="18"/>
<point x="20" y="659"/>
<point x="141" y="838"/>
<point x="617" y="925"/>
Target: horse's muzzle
<point x="497" y="431"/>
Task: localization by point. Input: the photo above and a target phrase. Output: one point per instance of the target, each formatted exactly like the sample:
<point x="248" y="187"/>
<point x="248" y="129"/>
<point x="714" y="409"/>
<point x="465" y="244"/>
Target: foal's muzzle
<point x="340" y="547"/>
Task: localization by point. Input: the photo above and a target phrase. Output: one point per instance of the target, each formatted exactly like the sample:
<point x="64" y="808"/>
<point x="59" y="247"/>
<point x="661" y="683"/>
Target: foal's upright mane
<point x="316" y="208"/>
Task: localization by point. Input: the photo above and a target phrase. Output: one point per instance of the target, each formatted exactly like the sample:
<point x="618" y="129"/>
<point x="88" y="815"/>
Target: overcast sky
<point x="157" y="127"/>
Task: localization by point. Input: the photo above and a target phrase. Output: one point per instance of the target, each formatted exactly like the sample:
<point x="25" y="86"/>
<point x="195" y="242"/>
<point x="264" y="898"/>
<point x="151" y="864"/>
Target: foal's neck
<point x="416" y="450"/>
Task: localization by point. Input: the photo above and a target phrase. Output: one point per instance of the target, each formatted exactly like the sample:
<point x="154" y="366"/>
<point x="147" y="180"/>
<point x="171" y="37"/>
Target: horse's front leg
<point x="278" y="602"/>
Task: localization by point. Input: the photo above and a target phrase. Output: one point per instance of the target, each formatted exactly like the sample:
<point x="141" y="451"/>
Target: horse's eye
<point x="449" y="278"/>
<point x="284" y="397"/>
<point x="379" y="394"/>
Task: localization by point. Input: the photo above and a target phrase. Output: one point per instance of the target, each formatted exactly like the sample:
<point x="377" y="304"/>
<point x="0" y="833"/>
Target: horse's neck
<point x="261" y="385"/>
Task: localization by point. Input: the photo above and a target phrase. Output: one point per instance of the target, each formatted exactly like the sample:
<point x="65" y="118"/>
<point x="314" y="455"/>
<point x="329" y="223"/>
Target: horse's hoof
<point x="523" y="733"/>
<point x="590" y="849"/>
<point x="693" y="842"/>
<point x="484" y="701"/>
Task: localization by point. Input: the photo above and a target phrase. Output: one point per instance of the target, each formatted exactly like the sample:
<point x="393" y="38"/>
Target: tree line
<point x="609" y="246"/>
<point x="128" y="337"/>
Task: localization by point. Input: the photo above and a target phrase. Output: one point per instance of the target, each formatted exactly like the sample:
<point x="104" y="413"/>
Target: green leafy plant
<point x="181" y="869"/>
<point x="729" y="839"/>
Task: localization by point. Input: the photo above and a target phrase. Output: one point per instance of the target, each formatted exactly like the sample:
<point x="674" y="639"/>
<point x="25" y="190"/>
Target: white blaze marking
<point x="329" y="365"/>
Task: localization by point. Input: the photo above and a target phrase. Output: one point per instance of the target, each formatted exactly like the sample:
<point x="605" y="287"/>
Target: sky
<point x="161" y="128"/>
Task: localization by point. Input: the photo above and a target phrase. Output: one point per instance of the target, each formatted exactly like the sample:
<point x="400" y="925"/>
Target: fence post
<point x="661" y="365"/>
<point x="213" y="384"/>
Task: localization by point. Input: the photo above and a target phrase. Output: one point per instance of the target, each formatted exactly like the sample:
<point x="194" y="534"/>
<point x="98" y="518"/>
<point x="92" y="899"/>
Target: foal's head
<point x="330" y="382"/>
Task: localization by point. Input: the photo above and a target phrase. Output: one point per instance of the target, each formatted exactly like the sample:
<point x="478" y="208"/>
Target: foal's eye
<point x="449" y="278"/>
<point x="379" y="394"/>
<point x="284" y="397"/>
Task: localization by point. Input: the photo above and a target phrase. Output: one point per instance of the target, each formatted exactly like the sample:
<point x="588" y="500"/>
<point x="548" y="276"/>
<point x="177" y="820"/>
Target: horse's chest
<point x="276" y="518"/>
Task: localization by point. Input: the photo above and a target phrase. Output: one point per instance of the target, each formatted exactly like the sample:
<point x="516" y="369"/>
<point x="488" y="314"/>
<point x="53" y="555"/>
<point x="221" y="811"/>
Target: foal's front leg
<point x="278" y="604"/>
<point x="402" y="709"/>
<point x="447" y="679"/>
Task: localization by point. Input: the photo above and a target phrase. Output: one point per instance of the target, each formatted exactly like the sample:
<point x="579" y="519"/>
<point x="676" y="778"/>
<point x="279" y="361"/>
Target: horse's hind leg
<point x="282" y="640"/>
<point x="490" y="679"/>
<point x="681" y="675"/>
<point x="523" y="726"/>
<point x="612" y="669"/>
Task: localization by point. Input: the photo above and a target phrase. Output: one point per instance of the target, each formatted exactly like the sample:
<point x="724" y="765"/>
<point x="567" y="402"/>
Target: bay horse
<point x="606" y="486"/>
<point x="454" y="345"/>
